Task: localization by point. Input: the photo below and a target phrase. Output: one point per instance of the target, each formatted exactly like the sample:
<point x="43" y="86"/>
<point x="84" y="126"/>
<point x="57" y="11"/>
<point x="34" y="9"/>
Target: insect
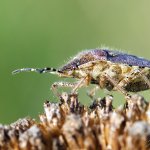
<point x="105" y="68"/>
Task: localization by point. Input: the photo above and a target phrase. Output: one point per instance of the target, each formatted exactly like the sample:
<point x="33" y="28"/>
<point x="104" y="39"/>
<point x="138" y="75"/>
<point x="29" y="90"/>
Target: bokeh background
<point x="35" y="33"/>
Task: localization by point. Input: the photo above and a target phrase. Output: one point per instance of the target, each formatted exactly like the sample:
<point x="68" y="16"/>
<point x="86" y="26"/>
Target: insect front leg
<point x="84" y="81"/>
<point x="74" y="86"/>
<point x="56" y="85"/>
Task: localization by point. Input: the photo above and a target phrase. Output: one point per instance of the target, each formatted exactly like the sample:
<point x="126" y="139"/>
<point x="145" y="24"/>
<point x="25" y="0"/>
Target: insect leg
<point x="133" y="75"/>
<point x="145" y="78"/>
<point x="92" y="92"/>
<point x="56" y="85"/>
<point x="115" y="83"/>
<point x="83" y="81"/>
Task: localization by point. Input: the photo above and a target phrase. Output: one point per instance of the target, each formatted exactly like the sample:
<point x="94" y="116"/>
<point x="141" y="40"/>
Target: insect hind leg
<point x="130" y="83"/>
<point x="117" y="86"/>
<point x="145" y="78"/>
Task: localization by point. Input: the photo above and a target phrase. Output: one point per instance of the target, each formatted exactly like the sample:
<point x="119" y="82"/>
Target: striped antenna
<point x="39" y="70"/>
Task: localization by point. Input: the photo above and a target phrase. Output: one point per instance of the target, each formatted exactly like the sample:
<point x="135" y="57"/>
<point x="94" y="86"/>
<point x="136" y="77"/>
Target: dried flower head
<point x="69" y="125"/>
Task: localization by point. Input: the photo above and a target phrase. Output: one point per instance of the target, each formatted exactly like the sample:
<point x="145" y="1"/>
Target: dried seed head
<point x="98" y="128"/>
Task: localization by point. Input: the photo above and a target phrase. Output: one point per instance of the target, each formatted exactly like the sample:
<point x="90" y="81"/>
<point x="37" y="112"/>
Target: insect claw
<point x="92" y="92"/>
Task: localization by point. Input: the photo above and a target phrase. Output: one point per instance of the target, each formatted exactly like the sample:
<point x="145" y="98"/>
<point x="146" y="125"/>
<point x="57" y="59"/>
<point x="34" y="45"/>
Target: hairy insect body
<point x="109" y="69"/>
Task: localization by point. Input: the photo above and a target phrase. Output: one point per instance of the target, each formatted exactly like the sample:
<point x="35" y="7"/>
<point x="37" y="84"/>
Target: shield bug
<point x="108" y="69"/>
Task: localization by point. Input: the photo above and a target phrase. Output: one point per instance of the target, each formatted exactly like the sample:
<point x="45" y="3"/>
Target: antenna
<point x="39" y="70"/>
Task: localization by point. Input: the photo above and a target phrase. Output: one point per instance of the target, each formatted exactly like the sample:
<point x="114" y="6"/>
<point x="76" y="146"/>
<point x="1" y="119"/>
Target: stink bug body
<point x="108" y="69"/>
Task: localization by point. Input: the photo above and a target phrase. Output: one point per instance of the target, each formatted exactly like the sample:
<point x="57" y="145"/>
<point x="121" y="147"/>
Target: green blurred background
<point x="35" y="33"/>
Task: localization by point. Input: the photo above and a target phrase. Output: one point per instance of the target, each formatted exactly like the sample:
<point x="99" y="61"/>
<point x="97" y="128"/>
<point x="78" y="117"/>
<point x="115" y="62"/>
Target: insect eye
<point x="74" y="66"/>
